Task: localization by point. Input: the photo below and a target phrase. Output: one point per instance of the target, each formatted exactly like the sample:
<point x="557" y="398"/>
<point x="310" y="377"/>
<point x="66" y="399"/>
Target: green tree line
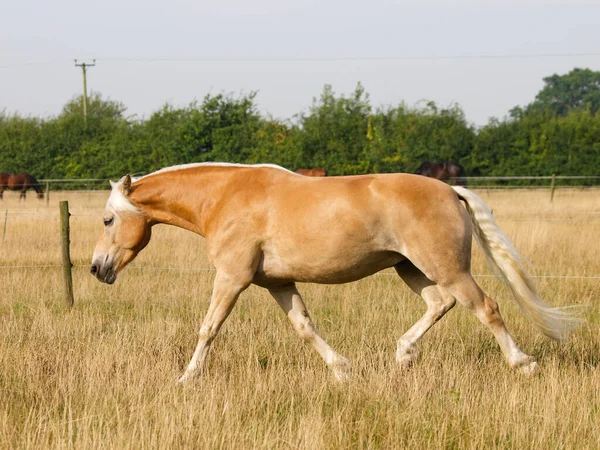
<point x="557" y="133"/>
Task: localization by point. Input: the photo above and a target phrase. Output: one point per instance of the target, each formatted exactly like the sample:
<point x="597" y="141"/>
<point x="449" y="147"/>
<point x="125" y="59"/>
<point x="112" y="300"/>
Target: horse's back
<point x="312" y="196"/>
<point x="268" y="190"/>
<point x="17" y="181"/>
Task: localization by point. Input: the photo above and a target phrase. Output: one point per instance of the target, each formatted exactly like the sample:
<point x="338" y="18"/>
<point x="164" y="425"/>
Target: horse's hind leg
<point x="468" y="293"/>
<point x="289" y="299"/>
<point x="438" y="300"/>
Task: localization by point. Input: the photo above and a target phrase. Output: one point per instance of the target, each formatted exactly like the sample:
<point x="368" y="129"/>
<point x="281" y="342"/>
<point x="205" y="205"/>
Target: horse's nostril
<point x="94" y="269"/>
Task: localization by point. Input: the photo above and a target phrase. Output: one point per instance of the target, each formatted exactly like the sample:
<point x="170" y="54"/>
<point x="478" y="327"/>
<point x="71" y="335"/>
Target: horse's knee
<point x="304" y="327"/>
<point x="437" y="310"/>
<point x="447" y="304"/>
<point x="439" y="302"/>
<point x="491" y="306"/>
<point x="207" y="332"/>
<point x="491" y="311"/>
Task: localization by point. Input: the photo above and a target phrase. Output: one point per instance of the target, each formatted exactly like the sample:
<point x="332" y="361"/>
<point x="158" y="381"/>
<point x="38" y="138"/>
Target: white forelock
<point x="117" y="202"/>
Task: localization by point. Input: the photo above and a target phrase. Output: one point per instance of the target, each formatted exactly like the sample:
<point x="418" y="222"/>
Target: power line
<point x="353" y="58"/>
<point x="30" y="63"/>
<point x="357" y="58"/>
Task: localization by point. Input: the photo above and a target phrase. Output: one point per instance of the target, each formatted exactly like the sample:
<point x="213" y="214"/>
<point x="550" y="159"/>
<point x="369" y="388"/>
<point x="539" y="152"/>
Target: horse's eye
<point x="108" y="221"/>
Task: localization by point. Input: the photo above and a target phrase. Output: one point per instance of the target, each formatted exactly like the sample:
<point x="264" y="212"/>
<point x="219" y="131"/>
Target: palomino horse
<point x="19" y="182"/>
<point x="445" y="171"/>
<point x="266" y="225"/>
<point x="315" y="172"/>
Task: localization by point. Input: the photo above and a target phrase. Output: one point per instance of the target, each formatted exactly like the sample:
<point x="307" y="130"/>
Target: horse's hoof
<point x="530" y="368"/>
<point x="405" y="362"/>
<point x="406" y="355"/>
<point x="185" y="378"/>
<point x="341" y="370"/>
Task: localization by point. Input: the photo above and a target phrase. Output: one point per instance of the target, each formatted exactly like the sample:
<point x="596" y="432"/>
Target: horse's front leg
<point x="226" y="290"/>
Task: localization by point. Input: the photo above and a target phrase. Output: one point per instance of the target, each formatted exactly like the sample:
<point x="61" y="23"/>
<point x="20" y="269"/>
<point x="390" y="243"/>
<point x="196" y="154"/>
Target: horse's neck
<point x="185" y="203"/>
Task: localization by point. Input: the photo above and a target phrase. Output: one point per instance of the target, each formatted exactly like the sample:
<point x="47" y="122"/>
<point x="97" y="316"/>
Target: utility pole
<point x="84" y="67"/>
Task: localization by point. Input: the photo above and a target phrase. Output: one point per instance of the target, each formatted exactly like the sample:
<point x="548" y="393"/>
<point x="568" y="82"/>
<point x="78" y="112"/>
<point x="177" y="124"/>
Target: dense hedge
<point x="343" y="134"/>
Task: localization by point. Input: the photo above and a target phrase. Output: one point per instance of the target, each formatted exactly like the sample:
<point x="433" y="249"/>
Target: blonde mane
<point x="118" y="202"/>
<point x="214" y="164"/>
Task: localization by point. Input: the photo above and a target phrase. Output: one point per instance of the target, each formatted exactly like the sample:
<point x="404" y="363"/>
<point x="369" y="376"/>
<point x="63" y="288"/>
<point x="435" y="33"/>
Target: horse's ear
<point x="126" y="186"/>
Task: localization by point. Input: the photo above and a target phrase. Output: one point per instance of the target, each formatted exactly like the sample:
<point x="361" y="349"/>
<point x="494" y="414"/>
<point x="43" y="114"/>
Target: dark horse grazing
<point x="315" y="172"/>
<point x="444" y="171"/>
<point x="19" y="182"/>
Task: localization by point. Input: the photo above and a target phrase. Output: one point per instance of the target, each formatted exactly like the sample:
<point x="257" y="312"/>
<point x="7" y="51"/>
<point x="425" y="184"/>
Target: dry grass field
<point x="103" y="375"/>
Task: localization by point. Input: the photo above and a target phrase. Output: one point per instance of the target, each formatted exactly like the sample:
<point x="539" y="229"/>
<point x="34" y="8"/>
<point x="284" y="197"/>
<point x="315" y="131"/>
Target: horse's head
<point x="424" y="169"/>
<point x="126" y="232"/>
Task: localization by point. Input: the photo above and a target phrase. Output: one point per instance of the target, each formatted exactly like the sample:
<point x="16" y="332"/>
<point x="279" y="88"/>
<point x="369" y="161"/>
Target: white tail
<point x="555" y="323"/>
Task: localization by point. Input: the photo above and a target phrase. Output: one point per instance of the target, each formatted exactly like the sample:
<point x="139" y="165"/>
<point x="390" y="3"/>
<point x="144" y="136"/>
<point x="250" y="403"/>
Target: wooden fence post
<point x="47" y="193"/>
<point x="66" y="257"/>
<point x="4" y="232"/>
<point x="552" y="188"/>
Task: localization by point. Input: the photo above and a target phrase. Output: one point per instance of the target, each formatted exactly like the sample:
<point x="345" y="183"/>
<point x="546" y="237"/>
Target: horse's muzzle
<point x="104" y="272"/>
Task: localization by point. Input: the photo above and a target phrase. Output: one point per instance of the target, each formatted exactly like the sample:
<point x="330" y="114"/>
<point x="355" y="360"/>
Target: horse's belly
<point x="343" y="268"/>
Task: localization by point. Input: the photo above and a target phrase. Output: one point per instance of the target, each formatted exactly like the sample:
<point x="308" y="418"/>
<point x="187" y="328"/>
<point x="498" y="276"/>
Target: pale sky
<point x="151" y="52"/>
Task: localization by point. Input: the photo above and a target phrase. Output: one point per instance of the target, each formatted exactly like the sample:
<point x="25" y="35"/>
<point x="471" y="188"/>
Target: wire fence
<point x="529" y="182"/>
<point x="595" y="217"/>
<point x="488" y="182"/>
<point x="591" y="216"/>
<point x="212" y="269"/>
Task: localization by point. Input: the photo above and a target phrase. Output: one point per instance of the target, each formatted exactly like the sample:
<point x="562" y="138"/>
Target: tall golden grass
<point x="103" y="375"/>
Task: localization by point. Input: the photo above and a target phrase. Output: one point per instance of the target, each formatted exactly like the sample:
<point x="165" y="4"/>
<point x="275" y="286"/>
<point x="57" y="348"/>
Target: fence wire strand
<point x="593" y="216"/>
<point x="210" y="269"/>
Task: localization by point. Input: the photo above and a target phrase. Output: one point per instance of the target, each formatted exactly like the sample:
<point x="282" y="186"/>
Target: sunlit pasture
<point x="103" y="375"/>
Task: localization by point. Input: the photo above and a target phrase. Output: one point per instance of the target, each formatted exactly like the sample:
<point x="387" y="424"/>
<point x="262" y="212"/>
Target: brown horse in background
<point x="315" y="172"/>
<point x="452" y="172"/>
<point x="20" y="182"/>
